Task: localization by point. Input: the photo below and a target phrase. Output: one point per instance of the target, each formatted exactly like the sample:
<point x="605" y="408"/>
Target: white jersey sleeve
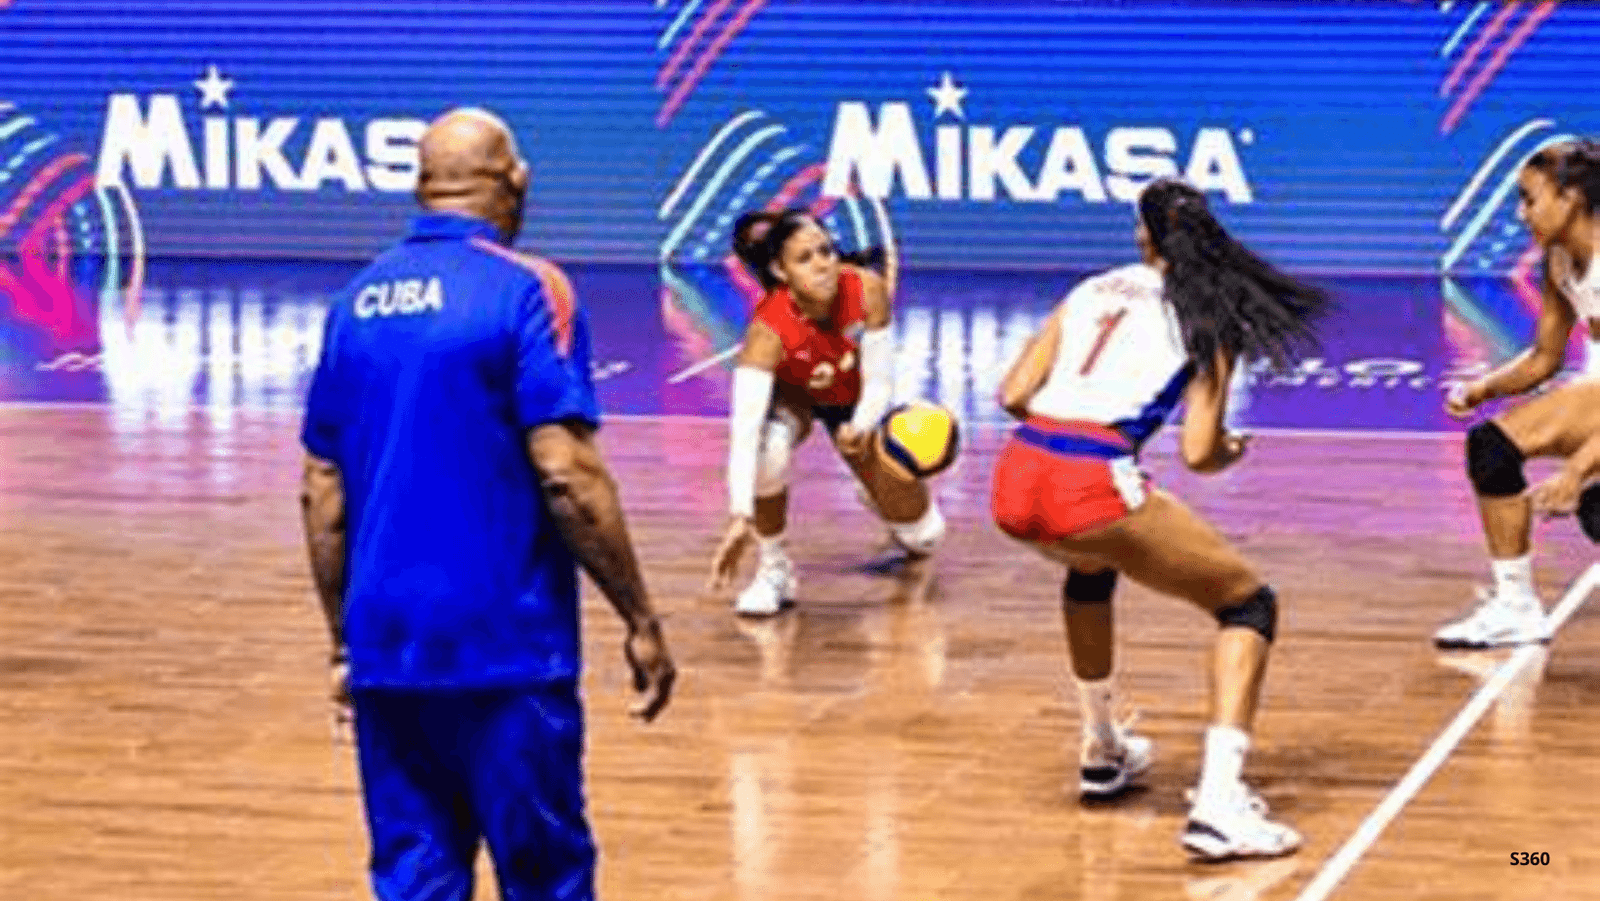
<point x="1584" y="295"/>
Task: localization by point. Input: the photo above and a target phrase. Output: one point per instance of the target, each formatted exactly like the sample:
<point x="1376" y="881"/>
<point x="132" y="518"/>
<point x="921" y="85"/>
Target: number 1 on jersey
<point x="1108" y="324"/>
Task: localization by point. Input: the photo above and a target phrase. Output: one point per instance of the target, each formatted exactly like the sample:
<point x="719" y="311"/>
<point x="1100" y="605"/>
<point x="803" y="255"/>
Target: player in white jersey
<point x="1559" y="194"/>
<point x="1101" y="376"/>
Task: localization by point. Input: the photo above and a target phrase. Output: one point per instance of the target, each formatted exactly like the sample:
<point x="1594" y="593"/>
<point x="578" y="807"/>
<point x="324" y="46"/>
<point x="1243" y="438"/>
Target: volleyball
<point x="921" y="438"/>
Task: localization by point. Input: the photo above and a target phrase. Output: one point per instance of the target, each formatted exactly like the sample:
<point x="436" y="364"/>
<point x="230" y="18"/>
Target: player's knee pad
<point x="1259" y="611"/>
<point x="922" y="536"/>
<point x="1089" y="588"/>
<point x="1589" y="512"/>
<point x="1494" y="463"/>
<point x="774" y="457"/>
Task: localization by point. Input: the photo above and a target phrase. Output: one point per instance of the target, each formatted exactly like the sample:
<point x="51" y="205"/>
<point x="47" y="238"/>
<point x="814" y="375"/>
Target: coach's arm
<point x="322" y="512"/>
<point x="582" y="498"/>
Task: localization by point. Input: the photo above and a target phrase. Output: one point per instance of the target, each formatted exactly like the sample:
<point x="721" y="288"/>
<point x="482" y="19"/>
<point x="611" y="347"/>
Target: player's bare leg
<point x="1552" y="425"/>
<point x="772" y="515"/>
<point x="774" y="583"/>
<point x="902" y="501"/>
<point x="1111" y="757"/>
<point x="1167" y="547"/>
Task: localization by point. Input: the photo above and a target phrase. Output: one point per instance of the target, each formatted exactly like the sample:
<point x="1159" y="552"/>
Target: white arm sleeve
<point x="877" y="378"/>
<point x="752" y="395"/>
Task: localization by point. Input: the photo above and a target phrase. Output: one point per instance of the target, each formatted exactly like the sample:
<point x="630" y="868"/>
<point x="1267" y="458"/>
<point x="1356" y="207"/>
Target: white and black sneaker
<point x="1236" y="826"/>
<point x="773" y="587"/>
<point x="1256" y="803"/>
<point x="1105" y="771"/>
<point x="1496" y="622"/>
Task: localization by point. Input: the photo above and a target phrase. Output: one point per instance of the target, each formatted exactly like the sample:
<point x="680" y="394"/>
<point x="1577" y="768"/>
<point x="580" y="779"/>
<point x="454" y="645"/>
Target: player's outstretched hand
<point x="1234" y="445"/>
<point x="653" y="672"/>
<point x="852" y="443"/>
<point x="1463" y="398"/>
<point x="725" y="563"/>
<point x="1557" y="495"/>
<point x="339" y="691"/>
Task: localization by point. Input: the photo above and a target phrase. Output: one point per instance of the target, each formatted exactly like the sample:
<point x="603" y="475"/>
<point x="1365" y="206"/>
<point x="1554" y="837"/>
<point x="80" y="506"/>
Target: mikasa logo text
<point x="150" y="144"/>
<point x="981" y="162"/>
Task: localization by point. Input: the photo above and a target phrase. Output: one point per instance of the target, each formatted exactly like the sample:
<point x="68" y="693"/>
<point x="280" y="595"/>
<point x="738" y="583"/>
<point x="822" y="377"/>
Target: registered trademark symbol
<point x="1247" y="136"/>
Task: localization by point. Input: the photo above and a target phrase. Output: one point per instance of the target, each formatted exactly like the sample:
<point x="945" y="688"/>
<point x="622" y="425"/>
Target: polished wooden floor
<point x="163" y="731"/>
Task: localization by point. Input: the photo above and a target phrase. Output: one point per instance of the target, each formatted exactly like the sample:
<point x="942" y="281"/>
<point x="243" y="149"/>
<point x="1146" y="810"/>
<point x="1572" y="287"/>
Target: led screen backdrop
<point x="1347" y="140"/>
<point x="1341" y="136"/>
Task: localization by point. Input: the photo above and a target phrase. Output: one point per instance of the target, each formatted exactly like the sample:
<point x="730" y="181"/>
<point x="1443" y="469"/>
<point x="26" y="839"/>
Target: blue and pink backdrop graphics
<point x="993" y="147"/>
<point x="231" y="334"/>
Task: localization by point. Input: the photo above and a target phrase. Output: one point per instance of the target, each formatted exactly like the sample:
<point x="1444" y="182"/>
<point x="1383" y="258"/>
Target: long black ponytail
<point x="1229" y="301"/>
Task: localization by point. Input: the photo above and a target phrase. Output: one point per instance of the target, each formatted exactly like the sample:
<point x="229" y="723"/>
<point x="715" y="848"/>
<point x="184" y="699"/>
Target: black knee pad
<point x="1087" y="588"/>
<point x="1493" y="463"/>
<point x="1259" y="611"/>
<point x="1589" y="512"/>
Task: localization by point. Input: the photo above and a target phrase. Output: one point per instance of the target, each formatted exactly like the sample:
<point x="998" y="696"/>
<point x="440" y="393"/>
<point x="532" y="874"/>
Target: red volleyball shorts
<point x="1059" y="479"/>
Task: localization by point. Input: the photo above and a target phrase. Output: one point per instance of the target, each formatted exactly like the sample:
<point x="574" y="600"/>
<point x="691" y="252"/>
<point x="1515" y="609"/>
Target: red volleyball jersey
<point x="820" y="358"/>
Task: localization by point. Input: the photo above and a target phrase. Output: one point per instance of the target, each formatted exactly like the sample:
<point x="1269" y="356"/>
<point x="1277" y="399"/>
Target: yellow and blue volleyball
<point x="921" y="438"/>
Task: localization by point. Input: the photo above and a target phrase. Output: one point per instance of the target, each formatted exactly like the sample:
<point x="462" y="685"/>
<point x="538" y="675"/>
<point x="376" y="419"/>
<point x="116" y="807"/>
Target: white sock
<point x="923" y="535"/>
<point x="770" y="548"/>
<point x="1513" y="578"/>
<point x="1223" y="769"/>
<point x="1095" y="701"/>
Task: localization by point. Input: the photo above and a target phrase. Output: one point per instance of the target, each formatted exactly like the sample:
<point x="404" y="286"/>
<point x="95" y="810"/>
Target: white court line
<point x="1340" y="864"/>
<point x="703" y="365"/>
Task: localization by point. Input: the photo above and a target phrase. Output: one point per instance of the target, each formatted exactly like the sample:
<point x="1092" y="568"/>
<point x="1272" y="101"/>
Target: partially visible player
<point x="1559" y="190"/>
<point x="1102" y="375"/>
<point x="818" y="348"/>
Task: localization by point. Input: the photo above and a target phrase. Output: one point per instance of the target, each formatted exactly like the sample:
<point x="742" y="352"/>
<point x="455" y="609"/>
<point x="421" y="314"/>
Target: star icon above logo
<point x="213" y="88"/>
<point x="947" y="97"/>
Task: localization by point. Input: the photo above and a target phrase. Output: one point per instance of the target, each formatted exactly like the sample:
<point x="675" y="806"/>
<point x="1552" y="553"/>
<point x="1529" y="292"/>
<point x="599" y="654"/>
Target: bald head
<point x="468" y="163"/>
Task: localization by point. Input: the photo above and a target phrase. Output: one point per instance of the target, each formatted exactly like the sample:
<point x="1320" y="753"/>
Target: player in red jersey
<point x="817" y="348"/>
